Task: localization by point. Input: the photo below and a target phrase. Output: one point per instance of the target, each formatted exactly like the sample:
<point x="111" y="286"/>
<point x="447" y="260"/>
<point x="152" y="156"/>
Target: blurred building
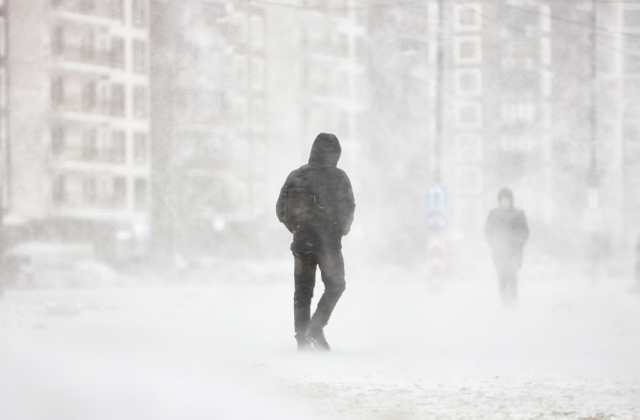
<point x="499" y="129"/>
<point x="209" y="125"/>
<point x="592" y="123"/>
<point x="557" y="125"/>
<point x="537" y="106"/>
<point x="467" y="54"/>
<point x="240" y="90"/>
<point x="618" y="121"/>
<point x="399" y="134"/>
<point x="4" y="111"/>
<point x="518" y="111"/>
<point x="330" y="44"/>
<point x="78" y="164"/>
<point x="625" y="19"/>
<point x="317" y="81"/>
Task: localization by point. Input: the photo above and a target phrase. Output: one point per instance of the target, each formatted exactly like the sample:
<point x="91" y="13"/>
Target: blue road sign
<point x="436" y="222"/>
<point x="436" y="197"/>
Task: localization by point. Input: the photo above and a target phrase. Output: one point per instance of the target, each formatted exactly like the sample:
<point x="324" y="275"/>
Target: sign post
<point x="436" y="227"/>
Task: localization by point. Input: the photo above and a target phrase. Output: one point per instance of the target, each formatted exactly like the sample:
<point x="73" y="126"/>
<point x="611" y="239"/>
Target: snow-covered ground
<point x="222" y="347"/>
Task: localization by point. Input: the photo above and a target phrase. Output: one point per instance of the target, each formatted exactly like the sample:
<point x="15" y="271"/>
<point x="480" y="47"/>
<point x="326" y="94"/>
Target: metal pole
<point x="439" y="94"/>
<point x="594" y="87"/>
<point x="436" y="243"/>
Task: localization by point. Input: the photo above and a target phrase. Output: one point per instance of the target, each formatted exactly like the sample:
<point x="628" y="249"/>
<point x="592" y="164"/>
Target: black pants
<point x="331" y="266"/>
<point x="507" y="265"/>
<point x="508" y="278"/>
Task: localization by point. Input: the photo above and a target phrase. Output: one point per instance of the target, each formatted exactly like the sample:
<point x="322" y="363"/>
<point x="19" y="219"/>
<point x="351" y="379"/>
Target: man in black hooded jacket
<point x="316" y="204"/>
<point x="507" y="232"/>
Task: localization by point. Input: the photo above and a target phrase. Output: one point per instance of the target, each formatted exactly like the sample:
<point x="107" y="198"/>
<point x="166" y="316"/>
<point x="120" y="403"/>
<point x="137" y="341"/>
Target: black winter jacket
<point x="316" y="201"/>
<point x="507" y="232"/>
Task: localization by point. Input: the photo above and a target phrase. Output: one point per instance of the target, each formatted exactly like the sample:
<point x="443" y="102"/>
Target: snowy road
<point x="224" y="350"/>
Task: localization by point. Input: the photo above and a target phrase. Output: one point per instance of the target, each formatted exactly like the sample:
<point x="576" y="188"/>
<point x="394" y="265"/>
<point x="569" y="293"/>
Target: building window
<point x="88" y="46"/>
<point x="257" y="32"/>
<point x="545" y="50"/>
<point x="139" y="13"/>
<point x="3" y="88"/>
<point x="117" y="100"/>
<point x="3" y="132"/>
<point x="140" y="148"/>
<point x="467" y="17"/>
<point x="518" y="112"/>
<point x="58" y="189"/>
<point x="57" y="90"/>
<point x="257" y="114"/>
<point x="117" y="9"/>
<point x="57" y="140"/>
<point x="545" y="114"/>
<point x="317" y="77"/>
<point x="88" y="96"/>
<point x="140" y="101"/>
<point x="139" y="56"/>
<point x="89" y="144"/>
<point x="241" y="111"/>
<point x="140" y="191"/>
<point x="3" y="39"/>
<point x="118" y="147"/>
<point x="469" y="115"/>
<point x="212" y="11"/>
<point x="468" y="82"/>
<point x="257" y="74"/>
<point x="632" y="64"/>
<point x="119" y="192"/>
<point x="632" y="18"/>
<point x="89" y="189"/>
<point x="545" y="18"/>
<point x="87" y="6"/>
<point x="546" y="83"/>
<point x="238" y="29"/>
<point x="241" y="71"/>
<point x="104" y="144"/>
<point x="631" y="132"/>
<point x="117" y="52"/>
<point x="467" y="50"/>
<point x="57" y="40"/>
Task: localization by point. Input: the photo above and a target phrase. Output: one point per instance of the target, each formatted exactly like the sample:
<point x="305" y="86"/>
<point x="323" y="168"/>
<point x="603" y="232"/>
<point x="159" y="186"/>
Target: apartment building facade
<point x="400" y="129"/>
<point x="209" y="122"/>
<point x="79" y="145"/>
<point x="4" y="111"/>
<point x="625" y="18"/>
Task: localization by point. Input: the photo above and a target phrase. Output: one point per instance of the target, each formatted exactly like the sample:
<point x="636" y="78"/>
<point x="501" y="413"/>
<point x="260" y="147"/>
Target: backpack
<point x="302" y="208"/>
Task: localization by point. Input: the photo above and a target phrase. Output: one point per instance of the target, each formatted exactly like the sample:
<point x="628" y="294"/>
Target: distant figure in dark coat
<point x="507" y="232"/>
<point x="316" y="204"/>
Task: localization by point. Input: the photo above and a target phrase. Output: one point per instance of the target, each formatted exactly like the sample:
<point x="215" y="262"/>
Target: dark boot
<point x="315" y="335"/>
<point x="303" y="343"/>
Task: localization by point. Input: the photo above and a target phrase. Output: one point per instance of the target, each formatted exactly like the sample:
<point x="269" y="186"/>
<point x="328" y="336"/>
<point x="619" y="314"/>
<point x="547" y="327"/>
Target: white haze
<point x="209" y="335"/>
<point x="223" y="348"/>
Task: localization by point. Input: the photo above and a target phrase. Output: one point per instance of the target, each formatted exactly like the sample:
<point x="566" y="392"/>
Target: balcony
<point x="98" y="109"/>
<point x="86" y="192"/>
<point x="109" y="59"/>
<point x="112" y="10"/>
<point x="88" y="202"/>
<point x="79" y="154"/>
<point x="329" y="49"/>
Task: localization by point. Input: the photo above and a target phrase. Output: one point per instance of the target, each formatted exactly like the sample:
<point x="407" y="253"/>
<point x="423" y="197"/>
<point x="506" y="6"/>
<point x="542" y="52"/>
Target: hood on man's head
<point x="325" y="151"/>
<point x="506" y="193"/>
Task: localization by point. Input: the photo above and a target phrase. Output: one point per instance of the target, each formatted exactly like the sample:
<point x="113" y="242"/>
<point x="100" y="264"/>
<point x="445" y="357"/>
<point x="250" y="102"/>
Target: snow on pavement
<point x="224" y="349"/>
